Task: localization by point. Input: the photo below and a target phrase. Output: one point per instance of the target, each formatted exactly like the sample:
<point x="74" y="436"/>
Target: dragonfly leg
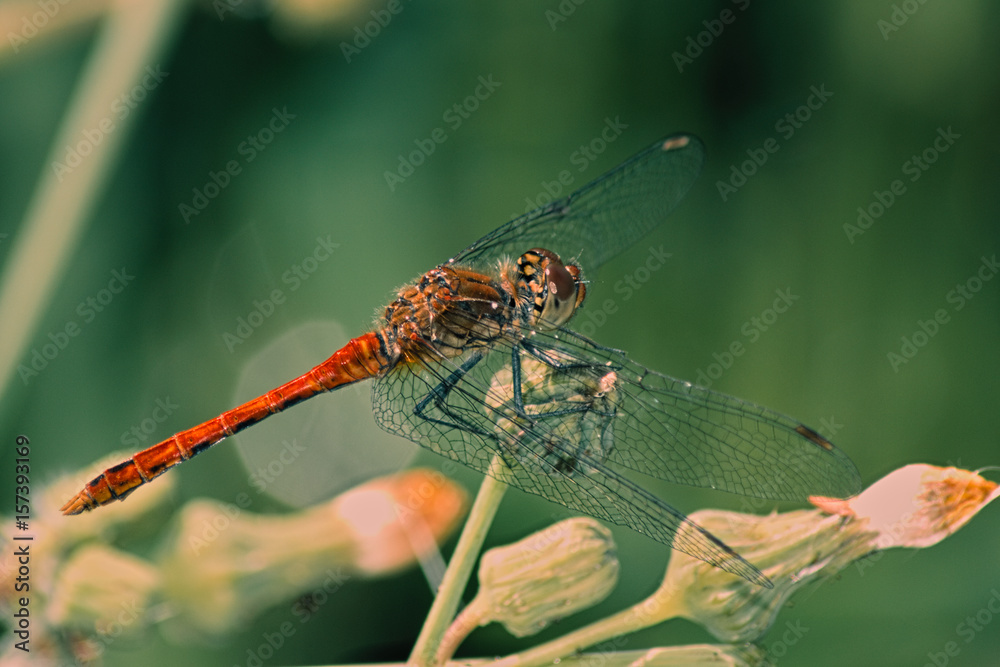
<point x="515" y="371"/>
<point x="515" y="366"/>
<point x="542" y="355"/>
<point x="515" y="375"/>
<point x="439" y="394"/>
<point x="437" y="397"/>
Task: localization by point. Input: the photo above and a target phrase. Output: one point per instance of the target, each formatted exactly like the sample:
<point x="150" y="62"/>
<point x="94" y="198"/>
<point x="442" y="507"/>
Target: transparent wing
<point x="605" y="217"/>
<point x="461" y="426"/>
<point x="686" y="434"/>
<point x="559" y="408"/>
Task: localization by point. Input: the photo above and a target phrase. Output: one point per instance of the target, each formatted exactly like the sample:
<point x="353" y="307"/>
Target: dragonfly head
<point x="556" y="290"/>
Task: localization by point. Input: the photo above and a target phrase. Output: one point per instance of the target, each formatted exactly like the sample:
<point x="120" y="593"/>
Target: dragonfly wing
<point x="686" y="434"/>
<point x="466" y="425"/>
<point x="598" y="491"/>
<point x="604" y="217"/>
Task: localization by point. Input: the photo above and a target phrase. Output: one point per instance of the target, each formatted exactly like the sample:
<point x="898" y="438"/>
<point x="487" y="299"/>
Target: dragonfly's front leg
<point x="515" y="380"/>
<point x="439" y="395"/>
<point x="556" y="366"/>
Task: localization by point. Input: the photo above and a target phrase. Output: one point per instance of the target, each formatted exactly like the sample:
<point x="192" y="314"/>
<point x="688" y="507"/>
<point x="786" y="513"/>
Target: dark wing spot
<point x="807" y="432"/>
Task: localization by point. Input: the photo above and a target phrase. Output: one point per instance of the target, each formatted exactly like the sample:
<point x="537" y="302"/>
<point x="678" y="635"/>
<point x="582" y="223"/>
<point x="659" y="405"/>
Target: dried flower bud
<point x="227" y="564"/>
<point x="526" y="585"/>
<point x="103" y="590"/>
<point x="398" y="519"/>
<point x="567" y="567"/>
<point x="791" y="549"/>
<point x="917" y="505"/>
<point x="788" y="548"/>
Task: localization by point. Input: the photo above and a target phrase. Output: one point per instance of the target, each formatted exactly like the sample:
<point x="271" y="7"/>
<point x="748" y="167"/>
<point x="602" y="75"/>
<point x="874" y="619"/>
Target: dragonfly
<point x="475" y="360"/>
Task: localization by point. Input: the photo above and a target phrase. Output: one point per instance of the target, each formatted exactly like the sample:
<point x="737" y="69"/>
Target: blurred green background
<point x="825" y="360"/>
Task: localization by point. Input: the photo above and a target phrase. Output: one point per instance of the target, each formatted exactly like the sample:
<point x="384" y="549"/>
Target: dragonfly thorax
<point x="448" y="311"/>
<point x="555" y="290"/>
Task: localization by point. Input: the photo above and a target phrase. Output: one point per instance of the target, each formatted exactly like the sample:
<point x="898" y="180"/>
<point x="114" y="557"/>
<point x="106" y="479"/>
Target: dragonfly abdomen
<point x="362" y="358"/>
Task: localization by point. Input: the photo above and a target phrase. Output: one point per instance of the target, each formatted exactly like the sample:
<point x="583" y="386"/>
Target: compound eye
<point x="560" y="282"/>
<point x="561" y="297"/>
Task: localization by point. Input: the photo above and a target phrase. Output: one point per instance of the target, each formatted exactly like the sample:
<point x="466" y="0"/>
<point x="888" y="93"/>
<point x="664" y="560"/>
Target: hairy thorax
<point x="451" y="310"/>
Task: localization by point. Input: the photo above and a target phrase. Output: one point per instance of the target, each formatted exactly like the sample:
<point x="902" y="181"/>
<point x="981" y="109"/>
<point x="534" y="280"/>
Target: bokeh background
<point x="563" y="70"/>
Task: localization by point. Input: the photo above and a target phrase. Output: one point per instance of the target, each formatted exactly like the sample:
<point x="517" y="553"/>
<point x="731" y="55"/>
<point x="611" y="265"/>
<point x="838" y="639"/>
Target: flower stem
<point x="460" y="567"/>
<point x="467" y="620"/>
<point x="657" y="608"/>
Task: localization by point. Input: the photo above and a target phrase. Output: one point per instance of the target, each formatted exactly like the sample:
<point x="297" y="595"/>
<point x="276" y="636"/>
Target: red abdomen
<point x="362" y="358"/>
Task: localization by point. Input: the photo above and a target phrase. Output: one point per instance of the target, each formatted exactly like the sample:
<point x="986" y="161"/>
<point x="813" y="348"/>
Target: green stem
<point x="630" y="620"/>
<point x="470" y="618"/>
<point x="460" y="567"/>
